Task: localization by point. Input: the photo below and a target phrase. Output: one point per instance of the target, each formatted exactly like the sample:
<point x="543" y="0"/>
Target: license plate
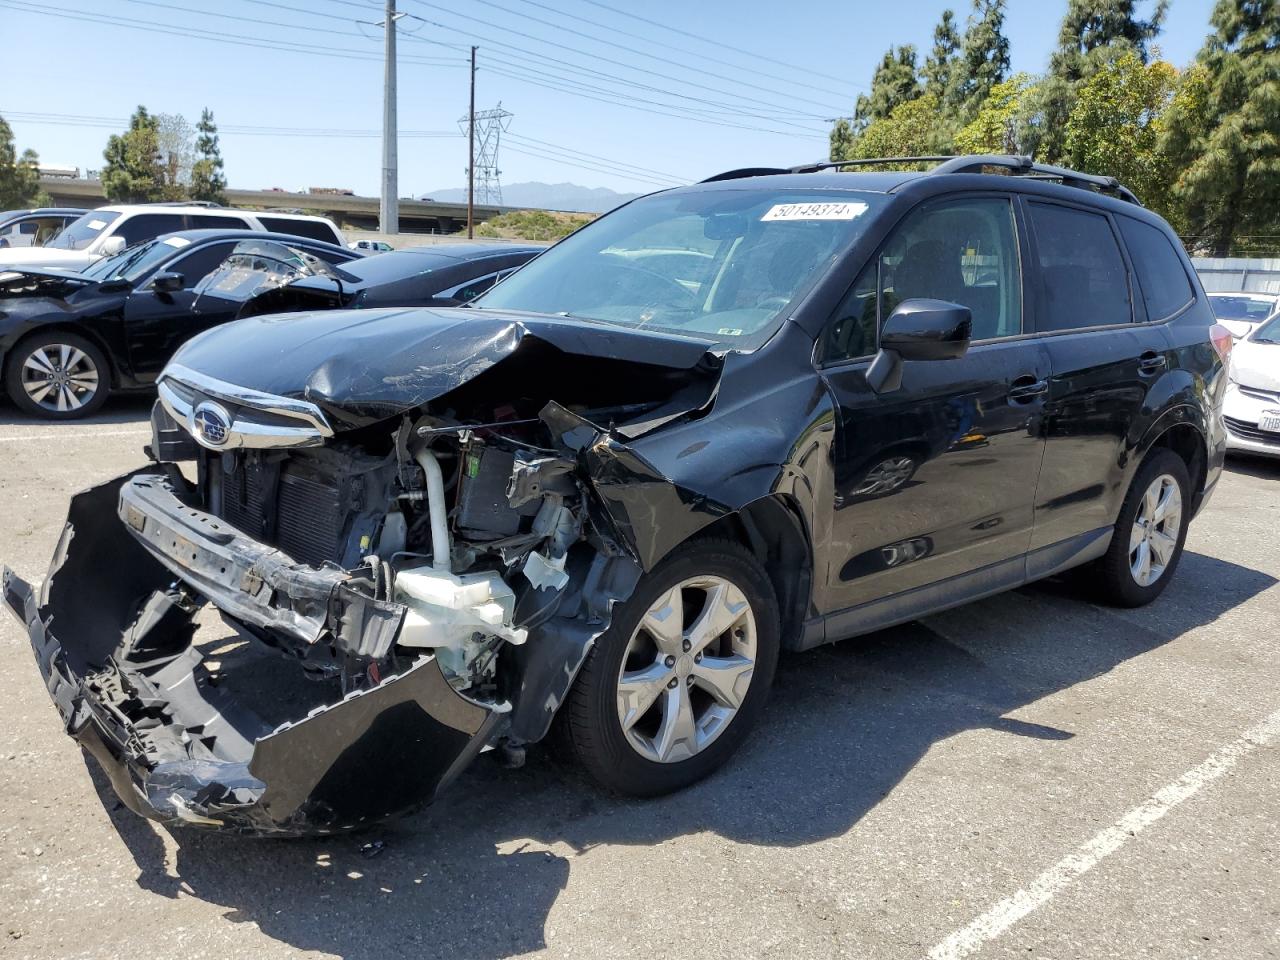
<point x="1270" y="421"/>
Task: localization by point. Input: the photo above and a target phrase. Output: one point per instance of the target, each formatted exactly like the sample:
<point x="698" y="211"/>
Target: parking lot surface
<point x="1029" y="776"/>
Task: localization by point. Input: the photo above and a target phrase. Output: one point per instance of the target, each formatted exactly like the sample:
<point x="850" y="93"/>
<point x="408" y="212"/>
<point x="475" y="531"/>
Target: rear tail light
<point x="1222" y="340"/>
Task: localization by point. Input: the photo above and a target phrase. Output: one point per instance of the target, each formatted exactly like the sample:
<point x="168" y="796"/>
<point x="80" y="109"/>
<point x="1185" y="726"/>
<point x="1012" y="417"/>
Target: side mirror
<point x="168" y="282"/>
<point x="919" y="329"/>
<point x="113" y="245"/>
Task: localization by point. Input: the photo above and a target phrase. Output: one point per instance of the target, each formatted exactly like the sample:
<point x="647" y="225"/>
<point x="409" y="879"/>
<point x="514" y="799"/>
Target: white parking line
<point x="81" y="435"/>
<point x="1009" y="911"/>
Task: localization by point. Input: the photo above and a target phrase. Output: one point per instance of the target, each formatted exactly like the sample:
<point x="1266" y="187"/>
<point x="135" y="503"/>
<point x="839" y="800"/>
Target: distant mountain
<point x="547" y="196"/>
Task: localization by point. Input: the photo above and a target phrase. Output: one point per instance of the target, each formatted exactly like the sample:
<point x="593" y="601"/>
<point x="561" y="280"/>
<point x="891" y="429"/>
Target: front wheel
<point x="57" y="375"/>
<point x="674" y="685"/>
<point x="1149" y="533"/>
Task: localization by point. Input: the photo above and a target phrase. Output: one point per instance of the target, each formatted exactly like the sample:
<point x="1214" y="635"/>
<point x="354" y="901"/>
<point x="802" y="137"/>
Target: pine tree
<point x="19" y="177"/>
<point x="1222" y="131"/>
<point x="896" y="81"/>
<point x="207" y="180"/>
<point x="983" y="61"/>
<point x="133" y="172"/>
<point x="940" y="66"/>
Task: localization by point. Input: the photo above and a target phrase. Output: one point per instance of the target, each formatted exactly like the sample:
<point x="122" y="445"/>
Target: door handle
<point x="1027" y="388"/>
<point x="1152" y="363"/>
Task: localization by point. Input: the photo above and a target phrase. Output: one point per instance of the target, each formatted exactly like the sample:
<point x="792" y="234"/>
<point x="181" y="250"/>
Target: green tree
<point x="134" y="172"/>
<point x="895" y="81"/>
<point x="207" y="180"/>
<point x="1222" y="131"/>
<point x="983" y="61"/>
<point x="1093" y="32"/>
<point x="940" y="66"/>
<point x="910" y="130"/>
<point x="1002" y="120"/>
<point x="19" y="176"/>
<point x="1115" y="125"/>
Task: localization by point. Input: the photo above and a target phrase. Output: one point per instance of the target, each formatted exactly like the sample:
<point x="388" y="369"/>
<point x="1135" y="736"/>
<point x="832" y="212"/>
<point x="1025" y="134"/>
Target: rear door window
<point x="312" y="229"/>
<point x="1164" y="283"/>
<point x="221" y="221"/>
<point x="1082" y="270"/>
<point x="148" y="226"/>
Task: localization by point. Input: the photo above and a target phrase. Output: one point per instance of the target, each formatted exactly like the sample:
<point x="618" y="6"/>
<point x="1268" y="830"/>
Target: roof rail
<point x="184" y="203"/>
<point x="863" y="162"/>
<point x="1027" y="167"/>
<point x="1018" y="166"/>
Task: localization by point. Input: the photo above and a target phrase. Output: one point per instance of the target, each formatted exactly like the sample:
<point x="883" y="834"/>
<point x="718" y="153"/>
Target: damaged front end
<point x="285" y="628"/>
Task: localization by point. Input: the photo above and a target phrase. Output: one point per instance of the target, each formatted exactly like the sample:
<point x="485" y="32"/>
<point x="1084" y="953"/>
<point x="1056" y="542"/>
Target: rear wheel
<point x="674" y="685"/>
<point x="1149" y="533"/>
<point x="57" y="375"/>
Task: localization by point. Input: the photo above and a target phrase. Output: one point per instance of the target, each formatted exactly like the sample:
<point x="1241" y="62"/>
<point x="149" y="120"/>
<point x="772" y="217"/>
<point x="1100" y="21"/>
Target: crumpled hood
<point x="23" y="257"/>
<point x="360" y="366"/>
<point x="1256" y="364"/>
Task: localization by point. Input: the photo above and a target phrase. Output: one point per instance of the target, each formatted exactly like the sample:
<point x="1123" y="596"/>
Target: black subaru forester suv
<point x="771" y="410"/>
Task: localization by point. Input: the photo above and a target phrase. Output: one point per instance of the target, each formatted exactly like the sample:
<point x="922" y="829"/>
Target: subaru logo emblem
<point x="212" y="424"/>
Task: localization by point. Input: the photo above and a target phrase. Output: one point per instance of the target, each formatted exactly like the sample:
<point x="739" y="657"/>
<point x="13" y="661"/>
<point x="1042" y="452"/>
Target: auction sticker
<point x="815" y="211"/>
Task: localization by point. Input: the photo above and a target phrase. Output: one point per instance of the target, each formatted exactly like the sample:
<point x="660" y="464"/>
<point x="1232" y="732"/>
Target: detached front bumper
<point x="113" y="641"/>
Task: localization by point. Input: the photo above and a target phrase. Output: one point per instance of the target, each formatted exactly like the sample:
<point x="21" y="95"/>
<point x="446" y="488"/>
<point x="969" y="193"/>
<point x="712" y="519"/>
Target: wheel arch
<point x="1179" y="430"/>
<point x="774" y="530"/>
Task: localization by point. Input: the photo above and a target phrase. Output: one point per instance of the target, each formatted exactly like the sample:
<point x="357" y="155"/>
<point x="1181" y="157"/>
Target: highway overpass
<point x="416" y="216"/>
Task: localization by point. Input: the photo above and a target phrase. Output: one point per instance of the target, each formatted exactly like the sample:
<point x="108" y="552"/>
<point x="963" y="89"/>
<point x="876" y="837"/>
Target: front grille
<point x="1249" y="431"/>
<point x="308" y="513"/>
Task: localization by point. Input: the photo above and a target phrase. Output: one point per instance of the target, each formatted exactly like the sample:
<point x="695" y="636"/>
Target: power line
<point x="187" y="33"/>
<point x="80" y="120"/>
<point x="547" y="145"/>
<point x="652" y="56"/>
<point x="717" y="43"/>
<point x="581" y="92"/>
<point x="751" y="102"/>
<point x="582" y="166"/>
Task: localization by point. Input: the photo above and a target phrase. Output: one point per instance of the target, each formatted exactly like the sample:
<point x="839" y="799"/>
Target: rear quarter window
<point x="311" y="229"/>
<point x="1165" y="286"/>
<point x="1082" y="270"/>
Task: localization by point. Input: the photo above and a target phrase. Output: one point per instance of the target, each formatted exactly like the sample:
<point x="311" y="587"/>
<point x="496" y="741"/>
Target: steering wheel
<point x="773" y="303"/>
<point x="617" y="263"/>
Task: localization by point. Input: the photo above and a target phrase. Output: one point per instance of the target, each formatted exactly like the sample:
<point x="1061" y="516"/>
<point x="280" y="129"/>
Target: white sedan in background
<point x="1251" y="410"/>
<point x="1241" y="312"/>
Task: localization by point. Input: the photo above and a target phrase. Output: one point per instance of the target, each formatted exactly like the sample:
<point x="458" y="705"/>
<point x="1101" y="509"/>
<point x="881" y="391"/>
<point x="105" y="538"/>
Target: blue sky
<point x="558" y="65"/>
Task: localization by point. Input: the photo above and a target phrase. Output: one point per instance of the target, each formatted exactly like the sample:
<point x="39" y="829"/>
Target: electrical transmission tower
<point x="489" y="128"/>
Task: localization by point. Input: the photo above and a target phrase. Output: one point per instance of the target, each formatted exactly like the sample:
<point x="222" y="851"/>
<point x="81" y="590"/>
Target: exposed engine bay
<point x="398" y="596"/>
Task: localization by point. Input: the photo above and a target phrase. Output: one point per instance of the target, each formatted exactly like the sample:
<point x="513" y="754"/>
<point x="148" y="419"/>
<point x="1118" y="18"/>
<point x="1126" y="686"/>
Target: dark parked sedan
<point x="266" y="276"/>
<point x="68" y="339"/>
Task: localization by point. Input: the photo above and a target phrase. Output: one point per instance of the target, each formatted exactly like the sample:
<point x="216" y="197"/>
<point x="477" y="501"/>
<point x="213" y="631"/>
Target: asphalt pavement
<point x="1031" y="776"/>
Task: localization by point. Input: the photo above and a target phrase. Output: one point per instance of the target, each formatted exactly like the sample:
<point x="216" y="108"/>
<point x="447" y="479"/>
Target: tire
<point x="1117" y="575"/>
<point x="76" y="383"/>
<point x="656" y="756"/>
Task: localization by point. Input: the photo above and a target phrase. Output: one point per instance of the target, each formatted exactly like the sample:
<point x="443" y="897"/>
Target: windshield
<point x="78" y="234"/>
<point x="1268" y="332"/>
<point x="1241" y="307"/>
<point x="137" y="261"/>
<point x="720" y="265"/>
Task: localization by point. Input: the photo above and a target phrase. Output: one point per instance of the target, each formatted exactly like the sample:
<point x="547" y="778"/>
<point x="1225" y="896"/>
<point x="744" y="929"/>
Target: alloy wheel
<point x="1153" y="541"/>
<point x="60" y="377"/>
<point x="687" y="669"/>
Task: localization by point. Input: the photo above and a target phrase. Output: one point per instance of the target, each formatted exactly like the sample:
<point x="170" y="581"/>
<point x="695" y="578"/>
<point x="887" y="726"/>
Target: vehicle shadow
<point x="1263" y="468"/>
<point x="478" y="874"/>
<point x="128" y="408"/>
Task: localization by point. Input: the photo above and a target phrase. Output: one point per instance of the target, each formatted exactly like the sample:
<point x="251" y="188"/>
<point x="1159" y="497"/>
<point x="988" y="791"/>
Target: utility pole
<point x="471" y="153"/>
<point x="389" y="208"/>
